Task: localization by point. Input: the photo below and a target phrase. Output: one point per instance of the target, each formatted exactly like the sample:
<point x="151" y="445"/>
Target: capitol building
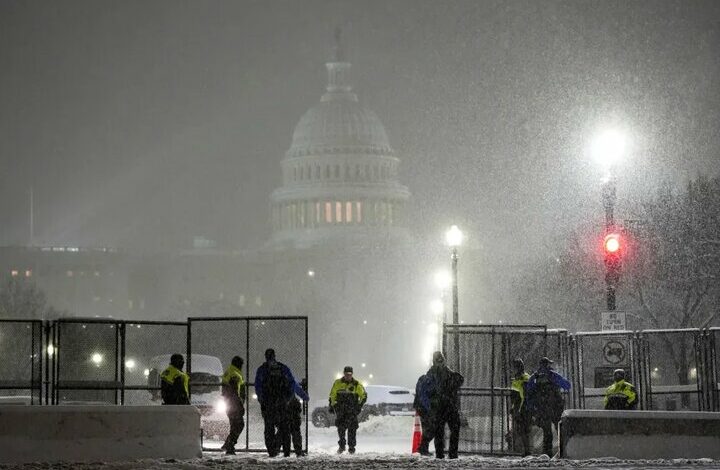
<point x="339" y="253"/>
<point x="340" y="175"/>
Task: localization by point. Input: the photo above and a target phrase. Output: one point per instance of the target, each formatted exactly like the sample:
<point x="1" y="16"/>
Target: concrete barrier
<point x="639" y="434"/>
<point x="98" y="433"/>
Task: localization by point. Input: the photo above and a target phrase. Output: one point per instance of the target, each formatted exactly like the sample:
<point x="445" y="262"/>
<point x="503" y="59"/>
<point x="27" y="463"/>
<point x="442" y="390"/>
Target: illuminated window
<point x="28" y="272"/>
<point x="328" y="212"/>
<point x="338" y="212"/>
<point x="69" y="274"/>
<point x="348" y="212"/>
<point x="14" y="272"/>
<point x="358" y="212"/>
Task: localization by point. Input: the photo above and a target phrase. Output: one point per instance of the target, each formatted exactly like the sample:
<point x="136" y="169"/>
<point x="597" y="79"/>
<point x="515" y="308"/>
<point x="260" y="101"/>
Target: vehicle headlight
<point x="220" y="406"/>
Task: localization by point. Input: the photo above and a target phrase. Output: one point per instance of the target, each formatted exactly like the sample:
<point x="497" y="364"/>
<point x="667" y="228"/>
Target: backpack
<point x="277" y="386"/>
<point x="545" y="400"/>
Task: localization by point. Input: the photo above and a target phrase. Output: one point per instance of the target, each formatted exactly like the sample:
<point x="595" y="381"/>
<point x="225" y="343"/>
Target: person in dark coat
<point x="174" y="383"/>
<point x="275" y="387"/>
<point x="294" y="417"/>
<point x="546" y="401"/>
<point x="442" y="388"/>
<point x="521" y="419"/>
<point x="233" y="392"/>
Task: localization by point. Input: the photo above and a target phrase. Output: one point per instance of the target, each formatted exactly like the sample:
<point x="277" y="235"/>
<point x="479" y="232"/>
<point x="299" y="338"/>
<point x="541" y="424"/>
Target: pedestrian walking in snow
<point x="443" y="386"/>
<point x="233" y="391"/>
<point x="275" y="387"/>
<point x="545" y="400"/>
<point x="347" y="397"/>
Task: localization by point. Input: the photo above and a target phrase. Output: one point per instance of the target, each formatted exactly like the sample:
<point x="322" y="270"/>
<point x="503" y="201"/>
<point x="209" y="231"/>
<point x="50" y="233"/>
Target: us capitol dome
<point x="340" y="175"/>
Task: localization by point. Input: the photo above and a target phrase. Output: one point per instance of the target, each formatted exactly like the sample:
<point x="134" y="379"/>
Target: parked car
<point x="382" y="400"/>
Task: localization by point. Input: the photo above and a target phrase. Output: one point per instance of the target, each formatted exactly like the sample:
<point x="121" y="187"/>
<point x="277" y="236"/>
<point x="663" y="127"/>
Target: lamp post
<point x="607" y="148"/>
<point x="443" y="280"/>
<point x="454" y="237"/>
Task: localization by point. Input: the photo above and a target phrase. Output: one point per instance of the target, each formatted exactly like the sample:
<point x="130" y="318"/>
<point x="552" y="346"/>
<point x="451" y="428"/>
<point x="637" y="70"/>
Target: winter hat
<point x="348" y="369"/>
<point x="270" y="354"/>
<point x="438" y="358"/>
<point x="545" y="361"/>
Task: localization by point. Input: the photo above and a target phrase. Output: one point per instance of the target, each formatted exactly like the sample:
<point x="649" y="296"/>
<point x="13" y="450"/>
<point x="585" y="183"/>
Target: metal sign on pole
<point x="613" y="321"/>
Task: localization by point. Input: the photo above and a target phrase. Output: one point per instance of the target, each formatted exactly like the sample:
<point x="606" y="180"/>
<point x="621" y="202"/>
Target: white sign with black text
<point x="613" y="321"/>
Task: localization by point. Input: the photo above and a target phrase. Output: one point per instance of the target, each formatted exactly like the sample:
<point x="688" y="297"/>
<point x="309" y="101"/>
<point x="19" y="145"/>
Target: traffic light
<point x="613" y="246"/>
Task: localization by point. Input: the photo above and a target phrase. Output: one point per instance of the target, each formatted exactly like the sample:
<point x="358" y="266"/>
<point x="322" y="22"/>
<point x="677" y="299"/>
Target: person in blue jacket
<point x="275" y="387"/>
<point x="545" y="400"/>
<point x="422" y="407"/>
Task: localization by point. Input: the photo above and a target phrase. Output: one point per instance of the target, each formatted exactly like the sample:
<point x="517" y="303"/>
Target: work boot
<point x="351" y="450"/>
<point x="301" y="453"/>
<point x="341" y="450"/>
<point x="230" y="451"/>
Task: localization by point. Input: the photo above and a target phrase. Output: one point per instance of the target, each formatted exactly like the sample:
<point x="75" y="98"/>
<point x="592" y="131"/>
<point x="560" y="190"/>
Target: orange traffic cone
<point x="417" y="434"/>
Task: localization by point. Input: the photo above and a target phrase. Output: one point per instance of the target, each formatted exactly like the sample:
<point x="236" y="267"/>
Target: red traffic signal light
<point x="612" y="243"/>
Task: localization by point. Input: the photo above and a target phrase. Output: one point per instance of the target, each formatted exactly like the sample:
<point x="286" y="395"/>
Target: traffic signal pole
<point x="612" y="257"/>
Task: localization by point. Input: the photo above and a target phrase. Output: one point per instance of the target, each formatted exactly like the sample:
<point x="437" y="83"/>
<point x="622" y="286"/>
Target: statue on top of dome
<point x="338" y="50"/>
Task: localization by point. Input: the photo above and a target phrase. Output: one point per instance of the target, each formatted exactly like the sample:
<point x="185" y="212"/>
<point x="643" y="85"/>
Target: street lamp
<point x="607" y="149"/>
<point x="454" y="237"/>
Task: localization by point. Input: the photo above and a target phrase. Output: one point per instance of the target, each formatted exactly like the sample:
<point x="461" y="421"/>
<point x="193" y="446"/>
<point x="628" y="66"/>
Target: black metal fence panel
<point x="484" y="355"/>
<point x="22" y="364"/>
<point x="87" y="353"/>
<point x="248" y="337"/>
<point x="146" y="350"/>
<point x="103" y="361"/>
<point x="671" y="359"/>
<point x="596" y="355"/>
<point x="713" y="367"/>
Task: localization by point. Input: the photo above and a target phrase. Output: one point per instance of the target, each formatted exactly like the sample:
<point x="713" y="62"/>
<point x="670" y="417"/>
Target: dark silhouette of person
<point x="546" y="401"/>
<point x="443" y="387"/>
<point x="275" y="387"/>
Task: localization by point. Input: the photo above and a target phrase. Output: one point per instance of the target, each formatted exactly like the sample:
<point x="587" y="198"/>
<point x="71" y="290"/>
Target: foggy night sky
<point x="143" y="123"/>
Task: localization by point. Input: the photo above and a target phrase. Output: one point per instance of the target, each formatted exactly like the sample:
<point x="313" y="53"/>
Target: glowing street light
<point x="608" y="147"/>
<point x="130" y="364"/>
<point x="443" y="279"/>
<point x="97" y="359"/>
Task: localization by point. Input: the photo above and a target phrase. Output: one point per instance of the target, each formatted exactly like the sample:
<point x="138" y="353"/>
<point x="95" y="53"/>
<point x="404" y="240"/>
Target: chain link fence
<point x="483" y="354"/>
<point x="114" y="362"/>
<point x="22" y="365"/>
<point x="247" y="337"/>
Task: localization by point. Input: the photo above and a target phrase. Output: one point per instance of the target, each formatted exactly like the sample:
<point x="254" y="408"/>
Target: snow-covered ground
<point x="383" y="443"/>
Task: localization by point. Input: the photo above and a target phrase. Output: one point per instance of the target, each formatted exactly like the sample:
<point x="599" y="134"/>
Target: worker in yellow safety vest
<point x="347" y="397"/>
<point x="174" y="383"/>
<point x="233" y="391"/>
<point x="521" y="419"/>
<point x="621" y="395"/>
